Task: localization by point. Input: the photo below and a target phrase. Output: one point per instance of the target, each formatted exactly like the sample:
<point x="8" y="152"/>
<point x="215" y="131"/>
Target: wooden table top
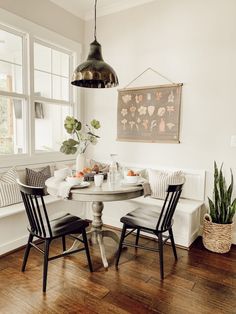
<point x="106" y="192"/>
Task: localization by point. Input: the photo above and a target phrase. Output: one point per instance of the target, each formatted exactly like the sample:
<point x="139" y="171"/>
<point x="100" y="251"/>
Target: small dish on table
<point x="74" y="180"/>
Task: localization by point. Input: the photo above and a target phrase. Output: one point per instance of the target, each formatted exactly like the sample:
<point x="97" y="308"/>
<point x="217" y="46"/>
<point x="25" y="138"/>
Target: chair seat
<point x="64" y="225"/>
<point x="67" y="224"/>
<point x="143" y="218"/>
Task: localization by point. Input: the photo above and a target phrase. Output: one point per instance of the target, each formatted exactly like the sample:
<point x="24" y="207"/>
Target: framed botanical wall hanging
<point x="149" y="114"/>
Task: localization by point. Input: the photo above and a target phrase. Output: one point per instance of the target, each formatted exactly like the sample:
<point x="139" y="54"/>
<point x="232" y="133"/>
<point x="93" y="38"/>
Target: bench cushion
<point x="17" y="208"/>
<point x="184" y="205"/>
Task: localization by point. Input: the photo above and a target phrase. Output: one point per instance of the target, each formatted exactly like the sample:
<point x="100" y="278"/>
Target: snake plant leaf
<point x="230" y="188"/>
<point x="212" y="210"/>
<point x="222" y="209"/>
<point x="232" y="211"/>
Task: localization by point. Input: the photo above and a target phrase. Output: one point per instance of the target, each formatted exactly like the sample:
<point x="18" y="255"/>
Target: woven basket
<point x="216" y="237"/>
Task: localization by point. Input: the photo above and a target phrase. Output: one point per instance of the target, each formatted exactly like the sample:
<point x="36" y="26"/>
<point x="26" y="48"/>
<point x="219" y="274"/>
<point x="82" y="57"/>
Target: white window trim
<point x="32" y="32"/>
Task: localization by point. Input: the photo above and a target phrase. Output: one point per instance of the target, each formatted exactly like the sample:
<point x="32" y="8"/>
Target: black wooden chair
<point x="150" y="221"/>
<point x="40" y="227"/>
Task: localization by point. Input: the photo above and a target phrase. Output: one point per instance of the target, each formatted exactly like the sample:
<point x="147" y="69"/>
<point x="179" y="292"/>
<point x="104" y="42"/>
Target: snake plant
<point x="222" y="209"/>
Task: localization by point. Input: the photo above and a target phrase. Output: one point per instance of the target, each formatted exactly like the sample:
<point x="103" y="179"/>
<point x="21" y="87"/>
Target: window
<point x="32" y="122"/>
<point x="12" y="97"/>
<point x="11" y="126"/>
<point x="51" y="94"/>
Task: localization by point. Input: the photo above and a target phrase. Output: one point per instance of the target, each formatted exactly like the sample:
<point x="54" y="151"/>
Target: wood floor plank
<point x="200" y="282"/>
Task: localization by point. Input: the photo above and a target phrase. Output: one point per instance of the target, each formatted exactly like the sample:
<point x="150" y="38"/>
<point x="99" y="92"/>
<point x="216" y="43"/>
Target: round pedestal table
<point x="98" y="195"/>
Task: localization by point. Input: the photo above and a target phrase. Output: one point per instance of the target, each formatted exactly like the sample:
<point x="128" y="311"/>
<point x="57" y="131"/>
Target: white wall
<point x="49" y="15"/>
<point x="191" y="42"/>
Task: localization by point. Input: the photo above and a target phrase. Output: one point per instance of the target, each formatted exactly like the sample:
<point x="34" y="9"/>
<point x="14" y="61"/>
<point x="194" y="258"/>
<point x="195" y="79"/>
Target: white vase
<point x="80" y="162"/>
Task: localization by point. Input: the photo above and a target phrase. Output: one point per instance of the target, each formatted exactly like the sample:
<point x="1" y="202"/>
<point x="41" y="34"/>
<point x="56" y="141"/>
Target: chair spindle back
<point x="169" y="206"/>
<point x="35" y="209"/>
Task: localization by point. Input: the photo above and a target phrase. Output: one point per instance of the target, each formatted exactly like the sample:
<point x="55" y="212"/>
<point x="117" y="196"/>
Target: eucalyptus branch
<point x="84" y="138"/>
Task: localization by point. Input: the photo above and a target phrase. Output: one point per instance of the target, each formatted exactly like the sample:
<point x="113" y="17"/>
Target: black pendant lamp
<point x="94" y="72"/>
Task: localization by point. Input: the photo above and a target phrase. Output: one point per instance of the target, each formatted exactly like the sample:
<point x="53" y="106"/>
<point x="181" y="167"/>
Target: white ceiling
<point x="85" y="8"/>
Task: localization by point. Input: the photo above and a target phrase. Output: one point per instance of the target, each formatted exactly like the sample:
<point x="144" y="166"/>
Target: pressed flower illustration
<point x="142" y="110"/>
<point x="162" y="125"/>
<point x="124" y="112"/>
<point x="149" y="113"/>
<point x="151" y="110"/>
<point x="131" y="123"/>
<point x="158" y="95"/>
<point x="132" y="109"/>
<point x="170" y="109"/>
<point x="161" y="111"/>
<point x="170" y="125"/>
<point x="124" y="121"/>
<point x="138" y="98"/>
<point x="149" y="96"/>
<point x="145" y="124"/>
<point x="126" y="98"/>
<point x="153" y="124"/>
<point x="171" y="97"/>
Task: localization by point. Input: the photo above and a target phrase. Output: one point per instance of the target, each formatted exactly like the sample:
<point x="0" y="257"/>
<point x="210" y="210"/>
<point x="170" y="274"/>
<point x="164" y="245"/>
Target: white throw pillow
<point x="159" y="181"/>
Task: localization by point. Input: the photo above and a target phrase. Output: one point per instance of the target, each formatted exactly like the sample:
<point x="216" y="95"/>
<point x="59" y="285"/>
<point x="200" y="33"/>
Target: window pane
<point x="60" y="63"/>
<point x="10" y="77"/>
<point x="64" y="89"/>
<point x="12" y="136"/>
<point x="42" y="58"/>
<point x="56" y="87"/>
<point x="10" y="47"/>
<point x="49" y="130"/>
<point x="60" y="88"/>
<point x="42" y="84"/>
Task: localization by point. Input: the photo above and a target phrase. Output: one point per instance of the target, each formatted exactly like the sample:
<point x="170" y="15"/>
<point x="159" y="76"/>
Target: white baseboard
<point x="13" y="245"/>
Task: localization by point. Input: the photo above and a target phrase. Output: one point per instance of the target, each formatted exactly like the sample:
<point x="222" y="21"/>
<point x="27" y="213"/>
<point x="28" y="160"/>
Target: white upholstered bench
<point x="188" y="212"/>
<point x="13" y="220"/>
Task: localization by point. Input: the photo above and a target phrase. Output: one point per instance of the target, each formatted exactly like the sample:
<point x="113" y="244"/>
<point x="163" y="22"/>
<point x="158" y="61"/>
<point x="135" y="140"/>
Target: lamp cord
<point x="95" y="20"/>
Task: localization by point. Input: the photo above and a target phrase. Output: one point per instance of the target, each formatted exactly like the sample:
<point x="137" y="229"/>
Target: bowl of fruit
<point x="77" y="179"/>
<point x="131" y="177"/>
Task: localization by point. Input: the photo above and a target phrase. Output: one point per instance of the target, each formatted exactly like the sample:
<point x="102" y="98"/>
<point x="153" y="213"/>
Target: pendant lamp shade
<point x="94" y="72"/>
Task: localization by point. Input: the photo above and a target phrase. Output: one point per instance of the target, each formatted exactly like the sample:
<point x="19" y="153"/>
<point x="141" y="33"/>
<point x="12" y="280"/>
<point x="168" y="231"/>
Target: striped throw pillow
<point x="9" y="176"/>
<point x="37" y="178"/>
<point x="160" y="180"/>
<point x="9" y="189"/>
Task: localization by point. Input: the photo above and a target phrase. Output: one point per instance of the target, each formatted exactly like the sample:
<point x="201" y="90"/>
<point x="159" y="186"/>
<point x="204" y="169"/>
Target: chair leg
<point x="64" y="243"/>
<point x="122" y="237"/>
<point x="137" y="236"/>
<point x="45" y="265"/>
<point x="173" y="243"/>
<point x="160" y="245"/>
<point x="27" y="250"/>
<point x="87" y="250"/>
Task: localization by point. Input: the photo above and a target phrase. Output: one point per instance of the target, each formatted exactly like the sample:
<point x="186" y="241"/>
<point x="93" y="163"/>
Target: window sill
<point x="26" y="160"/>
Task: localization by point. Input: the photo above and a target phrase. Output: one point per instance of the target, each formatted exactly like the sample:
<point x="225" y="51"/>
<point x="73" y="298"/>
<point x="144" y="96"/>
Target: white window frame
<point x="70" y="103"/>
<point x="32" y="32"/>
<point x="24" y="95"/>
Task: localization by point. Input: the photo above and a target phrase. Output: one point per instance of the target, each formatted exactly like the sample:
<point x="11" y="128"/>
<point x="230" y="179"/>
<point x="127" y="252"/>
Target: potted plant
<point x="80" y="138"/>
<point x="218" y="224"/>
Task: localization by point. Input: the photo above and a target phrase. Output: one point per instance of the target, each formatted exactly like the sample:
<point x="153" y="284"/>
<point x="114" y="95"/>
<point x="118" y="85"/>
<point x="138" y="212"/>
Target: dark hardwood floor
<point x="200" y="282"/>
